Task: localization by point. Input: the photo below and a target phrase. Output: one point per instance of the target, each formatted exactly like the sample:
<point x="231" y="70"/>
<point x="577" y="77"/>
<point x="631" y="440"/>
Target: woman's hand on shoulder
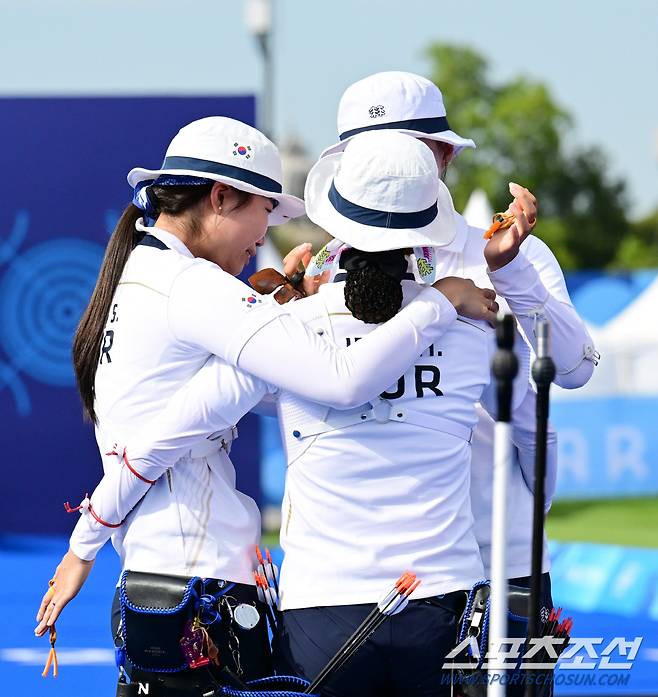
<point x="70" y="576"/>
<point x="468" y="299"/>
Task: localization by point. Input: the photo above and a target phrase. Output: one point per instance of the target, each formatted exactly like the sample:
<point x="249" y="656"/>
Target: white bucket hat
<point x="398" y="101"/>
<point x="227" y="151"/>
<point x="382" y="193"/>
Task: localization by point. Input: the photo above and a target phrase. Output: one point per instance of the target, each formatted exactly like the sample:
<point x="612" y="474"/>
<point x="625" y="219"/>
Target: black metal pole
<point x="505" y="366"/>
<point x="543" y="373"/>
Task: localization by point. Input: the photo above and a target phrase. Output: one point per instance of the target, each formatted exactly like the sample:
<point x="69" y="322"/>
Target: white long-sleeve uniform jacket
<point x="205" y="409"/>
<point x="367" y="498"/>
<point x="170" y="314"/>
<point x="532" y="286"/>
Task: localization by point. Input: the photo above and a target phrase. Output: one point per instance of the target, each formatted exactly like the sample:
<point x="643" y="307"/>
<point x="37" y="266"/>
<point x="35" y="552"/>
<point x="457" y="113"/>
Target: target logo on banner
<point x="43" y="293"/>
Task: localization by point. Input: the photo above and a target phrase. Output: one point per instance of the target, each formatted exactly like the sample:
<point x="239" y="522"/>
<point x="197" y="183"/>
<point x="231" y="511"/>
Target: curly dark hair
<point x="373" y="293"/>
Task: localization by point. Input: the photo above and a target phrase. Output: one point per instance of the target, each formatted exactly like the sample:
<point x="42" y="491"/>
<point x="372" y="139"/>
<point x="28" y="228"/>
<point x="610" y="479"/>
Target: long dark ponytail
<point x="173" y="200"/>
<point x="89" y="334"/>
<point x="373" y="292"/>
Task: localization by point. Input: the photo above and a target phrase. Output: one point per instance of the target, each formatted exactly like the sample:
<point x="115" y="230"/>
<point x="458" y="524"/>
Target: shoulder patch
<point x="251" y="300"/>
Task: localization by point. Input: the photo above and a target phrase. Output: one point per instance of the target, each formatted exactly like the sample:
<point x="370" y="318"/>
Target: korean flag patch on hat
<point x="231" y="152"/>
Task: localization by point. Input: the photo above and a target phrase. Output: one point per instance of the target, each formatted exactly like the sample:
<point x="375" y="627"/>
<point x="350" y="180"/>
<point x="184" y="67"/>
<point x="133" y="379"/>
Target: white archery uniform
<point x="170" y="314"/>
<point x="151" y="348"/>
<point x="532" y="287"/>
<point x="532" y="284"/>
<point x="374" y="491"/>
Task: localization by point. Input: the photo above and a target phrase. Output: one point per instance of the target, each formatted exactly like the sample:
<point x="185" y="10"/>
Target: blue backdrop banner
<point x="63" y="180"/>
<point x="608" y="442"/>
<point x="607" y="446"/>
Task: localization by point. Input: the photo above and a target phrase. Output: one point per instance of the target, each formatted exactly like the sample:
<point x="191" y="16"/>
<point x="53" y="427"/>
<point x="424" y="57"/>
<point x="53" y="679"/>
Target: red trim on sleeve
<point x="92" y="512"/>
<point x="135" y="472"/>
<point x="98" y="519"/>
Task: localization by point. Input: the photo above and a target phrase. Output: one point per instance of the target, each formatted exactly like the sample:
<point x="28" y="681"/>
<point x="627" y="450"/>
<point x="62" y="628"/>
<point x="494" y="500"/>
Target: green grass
<point x="269" y="539"/>
<point x="632" y="522"/>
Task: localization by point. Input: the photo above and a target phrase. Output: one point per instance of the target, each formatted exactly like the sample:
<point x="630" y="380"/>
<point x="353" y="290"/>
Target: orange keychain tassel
<point x="501" y="221"/>
<point x="52" y="655"/>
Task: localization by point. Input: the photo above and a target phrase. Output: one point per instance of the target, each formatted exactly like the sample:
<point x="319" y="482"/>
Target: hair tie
<point x="391" y="262"/>
<point x="181" y="180"/>
<point x="142" y="199"/>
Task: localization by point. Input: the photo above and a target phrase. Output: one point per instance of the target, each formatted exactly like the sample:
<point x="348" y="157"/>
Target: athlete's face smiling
<point x="231" y="231"/>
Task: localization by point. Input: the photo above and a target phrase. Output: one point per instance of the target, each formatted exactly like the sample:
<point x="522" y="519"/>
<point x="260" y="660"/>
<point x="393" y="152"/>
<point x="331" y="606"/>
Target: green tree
<point x="639" y="249"/>
<point x="522" y="135"/>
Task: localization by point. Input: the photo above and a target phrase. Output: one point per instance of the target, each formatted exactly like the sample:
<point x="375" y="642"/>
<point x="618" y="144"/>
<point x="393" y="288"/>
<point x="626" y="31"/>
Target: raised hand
<point x="504" y="245"/>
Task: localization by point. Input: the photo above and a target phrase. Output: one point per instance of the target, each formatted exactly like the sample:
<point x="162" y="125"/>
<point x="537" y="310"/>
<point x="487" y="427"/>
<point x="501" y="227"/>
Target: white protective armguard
<point x="534" y="287"/>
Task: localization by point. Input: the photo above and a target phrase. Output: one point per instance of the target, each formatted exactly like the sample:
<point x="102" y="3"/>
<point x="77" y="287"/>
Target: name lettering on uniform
<point x="426" y="377"/>
<point x="433" y="384"/>
<point x="399" y="391"/>
<point x="430" y="351"/>
<point x="108" y="337"/>
<point x="108" y="340"/>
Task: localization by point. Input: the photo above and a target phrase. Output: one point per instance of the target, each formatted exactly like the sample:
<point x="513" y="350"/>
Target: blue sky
<point x="600" y="59"/>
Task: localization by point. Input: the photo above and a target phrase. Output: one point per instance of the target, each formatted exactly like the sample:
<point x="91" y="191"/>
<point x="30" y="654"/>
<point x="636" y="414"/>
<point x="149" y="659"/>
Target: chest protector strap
<point x="382" y="411"/>
<point x="220" y="440"/>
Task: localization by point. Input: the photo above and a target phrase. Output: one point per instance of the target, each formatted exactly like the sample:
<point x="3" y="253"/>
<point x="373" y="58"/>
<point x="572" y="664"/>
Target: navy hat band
<point x="437" y="124"/>
<point x="209" y="167"/>
<point x="382" y="219"/>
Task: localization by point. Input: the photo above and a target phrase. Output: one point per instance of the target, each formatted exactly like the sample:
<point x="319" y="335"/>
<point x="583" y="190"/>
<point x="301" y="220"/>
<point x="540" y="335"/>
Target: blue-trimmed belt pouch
<point x="475" y="624"/>
<point x="274" y="686"/>
<point x="154" y="611"/>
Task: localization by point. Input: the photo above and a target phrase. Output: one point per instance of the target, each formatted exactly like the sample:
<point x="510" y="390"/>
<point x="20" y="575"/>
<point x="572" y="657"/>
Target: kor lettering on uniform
<point x="426" y="376"/>
<point x="108" y="340"/>
<point x="108" y="337"/>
